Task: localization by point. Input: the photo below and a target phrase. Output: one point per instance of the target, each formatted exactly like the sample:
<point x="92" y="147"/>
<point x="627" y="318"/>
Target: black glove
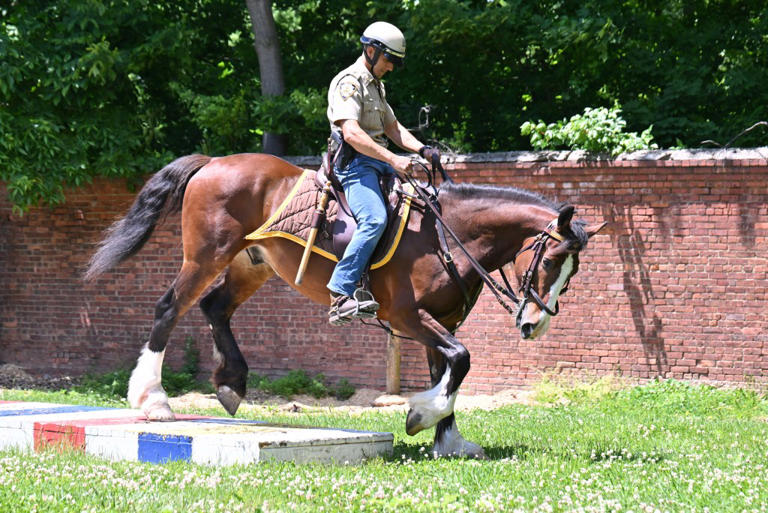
<point x="430" y="154"/>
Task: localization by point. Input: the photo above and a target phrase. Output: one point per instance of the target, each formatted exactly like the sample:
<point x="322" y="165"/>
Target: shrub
<point x="299" y="382"/>
<point x="598" y="130"/>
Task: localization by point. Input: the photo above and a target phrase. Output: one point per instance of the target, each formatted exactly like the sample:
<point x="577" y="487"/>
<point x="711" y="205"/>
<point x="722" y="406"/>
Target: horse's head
<point x="544" y="267"/>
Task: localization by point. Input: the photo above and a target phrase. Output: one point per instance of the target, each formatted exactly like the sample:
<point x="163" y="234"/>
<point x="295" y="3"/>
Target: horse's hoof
<point x="473" y="451"/>
<point x="228" y="399"/>
<point x="160" y="413"/>
<point x="413" y="423"/>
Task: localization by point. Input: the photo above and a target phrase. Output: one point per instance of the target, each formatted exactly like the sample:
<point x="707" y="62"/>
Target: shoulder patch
<point x="347" y="89"/>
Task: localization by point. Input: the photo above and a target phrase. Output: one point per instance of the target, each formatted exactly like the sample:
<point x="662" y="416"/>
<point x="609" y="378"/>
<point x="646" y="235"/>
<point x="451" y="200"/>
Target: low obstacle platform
<point x="123" y="434"/>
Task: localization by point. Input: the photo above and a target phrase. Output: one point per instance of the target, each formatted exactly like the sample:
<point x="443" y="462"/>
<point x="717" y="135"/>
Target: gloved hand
<point x="430" y="154"/>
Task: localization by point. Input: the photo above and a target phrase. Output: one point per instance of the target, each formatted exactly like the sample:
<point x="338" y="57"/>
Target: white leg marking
<point x="144" y="388"/>
<point x="554" y="294"/>
<point x="434" y="405"/>
<point x="453" y="444"/>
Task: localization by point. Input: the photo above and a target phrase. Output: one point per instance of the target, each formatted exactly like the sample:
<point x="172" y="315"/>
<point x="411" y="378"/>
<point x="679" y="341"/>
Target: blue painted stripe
<point x="49" y="410"/>
<point x="155" y="448"/>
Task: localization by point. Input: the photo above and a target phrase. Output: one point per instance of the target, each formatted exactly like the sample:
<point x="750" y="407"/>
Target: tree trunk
<point x="270" y="63"/>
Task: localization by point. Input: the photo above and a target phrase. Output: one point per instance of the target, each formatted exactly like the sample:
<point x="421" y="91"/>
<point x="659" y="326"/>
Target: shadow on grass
<point x="415" y="452"/>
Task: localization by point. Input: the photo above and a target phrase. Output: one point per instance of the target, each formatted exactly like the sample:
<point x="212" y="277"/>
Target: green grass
<point x="299" y="382"/>
<point x="666" y="446"/>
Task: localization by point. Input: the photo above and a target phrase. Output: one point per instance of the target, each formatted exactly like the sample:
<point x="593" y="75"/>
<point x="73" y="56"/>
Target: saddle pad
<point x="292" y="220"/>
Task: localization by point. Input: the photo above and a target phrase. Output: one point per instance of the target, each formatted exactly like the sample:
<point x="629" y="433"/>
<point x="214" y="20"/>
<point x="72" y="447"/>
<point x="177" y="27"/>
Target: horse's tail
<point x="161" y="195"/>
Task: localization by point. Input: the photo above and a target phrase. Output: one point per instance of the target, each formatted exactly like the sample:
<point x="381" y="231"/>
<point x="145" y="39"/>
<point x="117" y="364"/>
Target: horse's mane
<point x="514" y="195"/>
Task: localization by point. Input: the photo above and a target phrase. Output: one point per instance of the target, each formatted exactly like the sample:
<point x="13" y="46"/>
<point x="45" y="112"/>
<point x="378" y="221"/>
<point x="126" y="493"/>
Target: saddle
<point x="293" y="218"/>
<point x="344" y="225"/>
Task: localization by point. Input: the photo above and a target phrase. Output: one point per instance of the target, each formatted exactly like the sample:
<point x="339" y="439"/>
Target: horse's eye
<point x="546" y="264"/>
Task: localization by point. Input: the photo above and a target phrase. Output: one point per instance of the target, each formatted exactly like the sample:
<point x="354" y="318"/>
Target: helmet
<point x="387" y="39"/>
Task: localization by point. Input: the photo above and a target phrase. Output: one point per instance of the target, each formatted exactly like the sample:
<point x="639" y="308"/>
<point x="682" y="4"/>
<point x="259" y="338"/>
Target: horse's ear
<point x="592" y="229"/>
<point x="564" y="219"/>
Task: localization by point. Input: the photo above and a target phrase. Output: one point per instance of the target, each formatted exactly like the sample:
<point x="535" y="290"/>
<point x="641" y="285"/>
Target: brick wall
<point x="675" y="286"/>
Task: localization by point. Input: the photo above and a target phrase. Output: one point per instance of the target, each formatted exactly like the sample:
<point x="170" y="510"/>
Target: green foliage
<point x="553" y="389"/>
<point x="114" y="385"/>
<point x="343" y="389"/>
<point x="673" y="397"/>
<point x="110" y="385"/>
<point x="299" y="382"/>
<point x="599" y="130"/>
<point x="300" y="114"/>
<point x="118" y="88"/>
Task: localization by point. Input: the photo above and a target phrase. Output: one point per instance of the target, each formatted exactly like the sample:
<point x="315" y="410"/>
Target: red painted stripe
<point x="58" y="436"/>
<point x="111" y="421"/>
<point x="71" y="433"/>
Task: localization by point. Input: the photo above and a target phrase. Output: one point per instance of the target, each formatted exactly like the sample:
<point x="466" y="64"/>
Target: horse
<point x="223" y="199"/>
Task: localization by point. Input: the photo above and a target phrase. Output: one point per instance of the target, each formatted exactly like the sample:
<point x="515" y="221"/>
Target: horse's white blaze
<point x="434" y="404"/>
<point x="144" y="388"/>
<point x="554" y="294"/>
<point x="453" y="444"/>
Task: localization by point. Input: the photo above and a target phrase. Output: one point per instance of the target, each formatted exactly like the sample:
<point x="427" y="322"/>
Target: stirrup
<point x="360" y="306"/>
<point x="366" y="305"/>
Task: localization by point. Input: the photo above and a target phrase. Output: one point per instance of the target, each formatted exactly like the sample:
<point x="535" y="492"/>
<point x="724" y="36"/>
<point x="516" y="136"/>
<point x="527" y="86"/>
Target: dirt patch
<point x="13" y="376"/>
<point x="363" y="399"/>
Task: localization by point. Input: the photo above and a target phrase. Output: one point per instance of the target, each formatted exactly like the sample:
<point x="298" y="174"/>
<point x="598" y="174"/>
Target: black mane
<point x="513" y="194"/>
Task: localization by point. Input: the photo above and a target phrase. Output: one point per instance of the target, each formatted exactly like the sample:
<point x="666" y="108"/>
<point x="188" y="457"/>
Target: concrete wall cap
<point x="760" y="153"/>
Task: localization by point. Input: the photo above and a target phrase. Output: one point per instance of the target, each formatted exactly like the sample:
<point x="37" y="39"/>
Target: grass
<point x="299" y="382"/>
<point x="664" y="446"/>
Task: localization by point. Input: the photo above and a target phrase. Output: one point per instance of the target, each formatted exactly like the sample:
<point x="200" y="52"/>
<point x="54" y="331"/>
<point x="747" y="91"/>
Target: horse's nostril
<point x="526" y="329"/>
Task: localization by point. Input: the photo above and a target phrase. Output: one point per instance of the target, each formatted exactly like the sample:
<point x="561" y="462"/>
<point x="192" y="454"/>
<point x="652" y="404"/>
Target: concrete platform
<point x="123" y="434"/>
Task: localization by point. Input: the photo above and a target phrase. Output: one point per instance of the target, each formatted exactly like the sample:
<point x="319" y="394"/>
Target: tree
<point x="270" y="63"/>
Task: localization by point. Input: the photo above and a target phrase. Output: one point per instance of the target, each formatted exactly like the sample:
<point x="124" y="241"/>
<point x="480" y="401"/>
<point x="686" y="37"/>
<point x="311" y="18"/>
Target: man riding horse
<point x="362" y="120"/>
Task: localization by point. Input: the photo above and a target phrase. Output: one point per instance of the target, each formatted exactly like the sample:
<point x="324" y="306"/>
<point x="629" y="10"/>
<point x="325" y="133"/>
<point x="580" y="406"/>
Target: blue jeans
<point x="360" y="180"/>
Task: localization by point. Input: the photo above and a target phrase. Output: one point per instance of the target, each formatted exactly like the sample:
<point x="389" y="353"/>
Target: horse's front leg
<point x="448" y="439"/>
<point x="448" y="365"/>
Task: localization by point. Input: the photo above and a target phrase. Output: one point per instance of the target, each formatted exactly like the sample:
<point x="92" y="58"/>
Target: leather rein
<point x="538" y="246"/>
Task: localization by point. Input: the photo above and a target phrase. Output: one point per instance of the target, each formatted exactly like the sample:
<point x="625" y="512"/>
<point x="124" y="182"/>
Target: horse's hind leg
<point x="144" y="388"/>
<point x="241" y="280"/>
<point x="448" y="440"/>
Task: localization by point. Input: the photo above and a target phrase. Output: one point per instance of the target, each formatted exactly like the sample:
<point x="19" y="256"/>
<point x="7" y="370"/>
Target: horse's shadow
<point x="411" y="453"/>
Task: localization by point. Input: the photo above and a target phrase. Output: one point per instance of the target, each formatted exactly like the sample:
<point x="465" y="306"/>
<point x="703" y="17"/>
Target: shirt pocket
<point x="373" y="115"/>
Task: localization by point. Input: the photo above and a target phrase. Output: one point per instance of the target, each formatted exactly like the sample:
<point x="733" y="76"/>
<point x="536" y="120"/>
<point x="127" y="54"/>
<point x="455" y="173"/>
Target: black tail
<point x="161" y="195"/>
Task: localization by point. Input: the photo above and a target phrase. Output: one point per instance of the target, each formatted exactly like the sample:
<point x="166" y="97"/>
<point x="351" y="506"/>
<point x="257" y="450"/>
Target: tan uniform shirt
<point x="356" y="94"/>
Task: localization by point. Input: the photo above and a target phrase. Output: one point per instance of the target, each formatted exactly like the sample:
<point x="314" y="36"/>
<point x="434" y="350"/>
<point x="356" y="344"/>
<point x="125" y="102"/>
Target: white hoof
<point x="452" y="444"/>
<point x="159" y="413"/>
<point x="144" y="388"/>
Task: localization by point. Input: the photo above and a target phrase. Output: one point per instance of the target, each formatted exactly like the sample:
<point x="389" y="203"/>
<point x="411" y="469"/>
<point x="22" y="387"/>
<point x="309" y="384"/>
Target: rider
<point x="358" y="111"/>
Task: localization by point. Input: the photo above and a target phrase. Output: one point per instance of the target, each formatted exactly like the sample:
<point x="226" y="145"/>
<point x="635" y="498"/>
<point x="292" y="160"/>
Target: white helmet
<point x="387" y="39"/>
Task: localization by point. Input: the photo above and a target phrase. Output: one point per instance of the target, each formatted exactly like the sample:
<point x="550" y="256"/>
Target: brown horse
<point x="224" y="199"/>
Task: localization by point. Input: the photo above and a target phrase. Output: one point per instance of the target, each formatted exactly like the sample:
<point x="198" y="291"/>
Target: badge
<point x="347" y="89"/>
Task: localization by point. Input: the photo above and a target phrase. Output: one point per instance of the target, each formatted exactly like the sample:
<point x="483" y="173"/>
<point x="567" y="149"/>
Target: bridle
<point x="537" y="246"/>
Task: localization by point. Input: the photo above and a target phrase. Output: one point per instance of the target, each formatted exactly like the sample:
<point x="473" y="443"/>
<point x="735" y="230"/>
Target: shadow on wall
<point x="637" y="285"/>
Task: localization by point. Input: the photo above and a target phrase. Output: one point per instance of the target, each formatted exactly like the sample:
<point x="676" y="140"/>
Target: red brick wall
<point x="675" y="286"/>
